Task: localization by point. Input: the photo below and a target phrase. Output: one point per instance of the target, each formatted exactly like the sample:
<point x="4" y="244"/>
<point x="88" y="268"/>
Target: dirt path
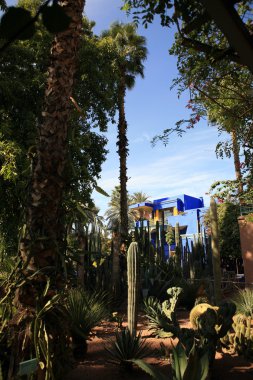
<point x="97" y="366"/>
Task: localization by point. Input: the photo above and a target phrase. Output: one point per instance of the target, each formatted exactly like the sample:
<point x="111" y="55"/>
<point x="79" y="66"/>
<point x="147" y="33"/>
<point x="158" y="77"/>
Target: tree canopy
<point x="23" y="68"/>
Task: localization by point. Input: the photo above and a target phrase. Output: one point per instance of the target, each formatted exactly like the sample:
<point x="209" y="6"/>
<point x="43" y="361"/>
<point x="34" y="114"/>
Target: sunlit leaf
<point x="101" y="191"/>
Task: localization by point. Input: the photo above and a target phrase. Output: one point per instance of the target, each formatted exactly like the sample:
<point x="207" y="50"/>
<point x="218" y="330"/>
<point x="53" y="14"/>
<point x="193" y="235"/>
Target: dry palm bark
<point x="44" y="236"/>
<point x="123" y="153"/>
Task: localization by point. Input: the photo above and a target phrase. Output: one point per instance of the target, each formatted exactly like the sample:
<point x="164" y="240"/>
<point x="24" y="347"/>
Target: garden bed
<point x="97" y="365"/>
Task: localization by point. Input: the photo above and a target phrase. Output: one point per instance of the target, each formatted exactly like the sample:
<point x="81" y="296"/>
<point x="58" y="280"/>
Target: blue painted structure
<point x="183" y="209"/>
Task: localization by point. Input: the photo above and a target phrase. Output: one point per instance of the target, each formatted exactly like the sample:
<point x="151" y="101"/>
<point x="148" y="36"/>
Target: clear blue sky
<point x="187" y="165"/>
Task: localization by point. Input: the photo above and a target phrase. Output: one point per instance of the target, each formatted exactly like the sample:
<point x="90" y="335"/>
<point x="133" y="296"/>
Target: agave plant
<point x="86" y="310"/>
<point x="243" y="300"/>
<point x="162" y="317"/>
<point x="126" y="348"/>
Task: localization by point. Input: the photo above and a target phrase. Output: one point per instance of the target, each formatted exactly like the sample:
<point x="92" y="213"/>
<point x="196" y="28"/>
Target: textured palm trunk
<point x="123" y="153"/>
<point x="237" y="164"/>
<point x="43" y="245"/>
<point x="45" y="230"/>
<point x="115" y="265"/>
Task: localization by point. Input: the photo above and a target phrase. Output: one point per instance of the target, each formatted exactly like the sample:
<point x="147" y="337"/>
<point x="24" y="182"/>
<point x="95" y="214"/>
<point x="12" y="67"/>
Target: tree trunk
<point x="237" y="164"/>
<point x="115" y="265"/>
<point x="123" y="153"/>
<point x="43" y="245"/>
<point x="45" y="231"/>
<point x="215" y="251"/>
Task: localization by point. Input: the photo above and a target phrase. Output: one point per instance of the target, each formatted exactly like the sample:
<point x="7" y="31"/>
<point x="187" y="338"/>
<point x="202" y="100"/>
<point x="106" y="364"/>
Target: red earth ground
<point x="97" y="365"/>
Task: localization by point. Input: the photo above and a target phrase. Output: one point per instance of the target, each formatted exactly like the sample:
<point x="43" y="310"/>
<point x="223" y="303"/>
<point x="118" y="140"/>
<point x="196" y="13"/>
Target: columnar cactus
<point x="215" y="251"/>
<point x="241" y="338"/>
<point x="177" y="234"/>
<point x="133" y="275"/>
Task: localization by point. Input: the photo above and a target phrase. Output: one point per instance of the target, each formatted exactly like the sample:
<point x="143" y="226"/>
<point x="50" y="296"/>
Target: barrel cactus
<point x="133" y="277"/>
<point x="199" y="310"/>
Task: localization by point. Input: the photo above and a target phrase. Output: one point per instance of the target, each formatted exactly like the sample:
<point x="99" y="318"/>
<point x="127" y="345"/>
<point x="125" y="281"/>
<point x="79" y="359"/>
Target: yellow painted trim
<point x="156" y="216"/>
<point x="175" y="211"/>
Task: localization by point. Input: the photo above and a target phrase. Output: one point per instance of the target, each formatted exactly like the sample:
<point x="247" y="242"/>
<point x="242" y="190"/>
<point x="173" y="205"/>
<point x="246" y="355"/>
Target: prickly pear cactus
<point x="133" y="275"/>
<point x="199" y="310"/>
<point x="169" y="306"/>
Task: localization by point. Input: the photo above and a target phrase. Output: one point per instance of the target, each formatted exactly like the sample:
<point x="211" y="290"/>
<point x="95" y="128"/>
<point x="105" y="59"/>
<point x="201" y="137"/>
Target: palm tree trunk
<point x="44" y="237"/>
<point x="115" y="265"/>
<point x="123" y="153"/>
<point x="237" y="166"/>
<point x="43" y="244"/>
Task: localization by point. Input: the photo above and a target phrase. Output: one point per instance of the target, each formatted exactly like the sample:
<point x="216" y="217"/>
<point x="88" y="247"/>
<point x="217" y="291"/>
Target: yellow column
<point x="175" y="211"/>
<point x="156" y="216"/>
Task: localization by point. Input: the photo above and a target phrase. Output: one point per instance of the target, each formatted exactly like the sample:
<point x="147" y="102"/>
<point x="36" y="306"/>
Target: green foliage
<point x="86" y="310"/>
<point x="130" y="52"/>
<point x="32" y="330"/>
<point x="194" y="366"/>
<point x="112" y="214"/>
<point x="149" y="369"/>
<point x="3" y="5"/>
<point x="6" y="268"/>
<point x="9" y="152"/>
<point x="219" y="88"/>
<point x="23" y="67"/>
<point x="243" y="300"/>
<point x="162" y="317"/>
<point x="146" y="10"/>
<point x="229" y="235"/>
<point x="127" y="347"/>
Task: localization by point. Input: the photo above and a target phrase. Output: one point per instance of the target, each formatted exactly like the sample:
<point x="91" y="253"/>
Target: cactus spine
<point x="133" y="274"/>
<point x="241" y="338"/>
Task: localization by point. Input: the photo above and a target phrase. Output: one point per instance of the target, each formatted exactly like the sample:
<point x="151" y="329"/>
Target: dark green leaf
<point x="101" y="191"/>
<point x="17" y="22"/>
<point x="149" y="369"/>
<point x="55" y="19"/>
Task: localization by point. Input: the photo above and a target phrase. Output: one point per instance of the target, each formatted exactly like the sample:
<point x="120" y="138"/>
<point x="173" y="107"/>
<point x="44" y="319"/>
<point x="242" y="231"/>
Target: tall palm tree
<point x="113" y="214"/>
<point x="42" y="247"/>
<point x="130" y="52"/>
<point x="45" y="229"/>
<point x="139" y="197"/>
